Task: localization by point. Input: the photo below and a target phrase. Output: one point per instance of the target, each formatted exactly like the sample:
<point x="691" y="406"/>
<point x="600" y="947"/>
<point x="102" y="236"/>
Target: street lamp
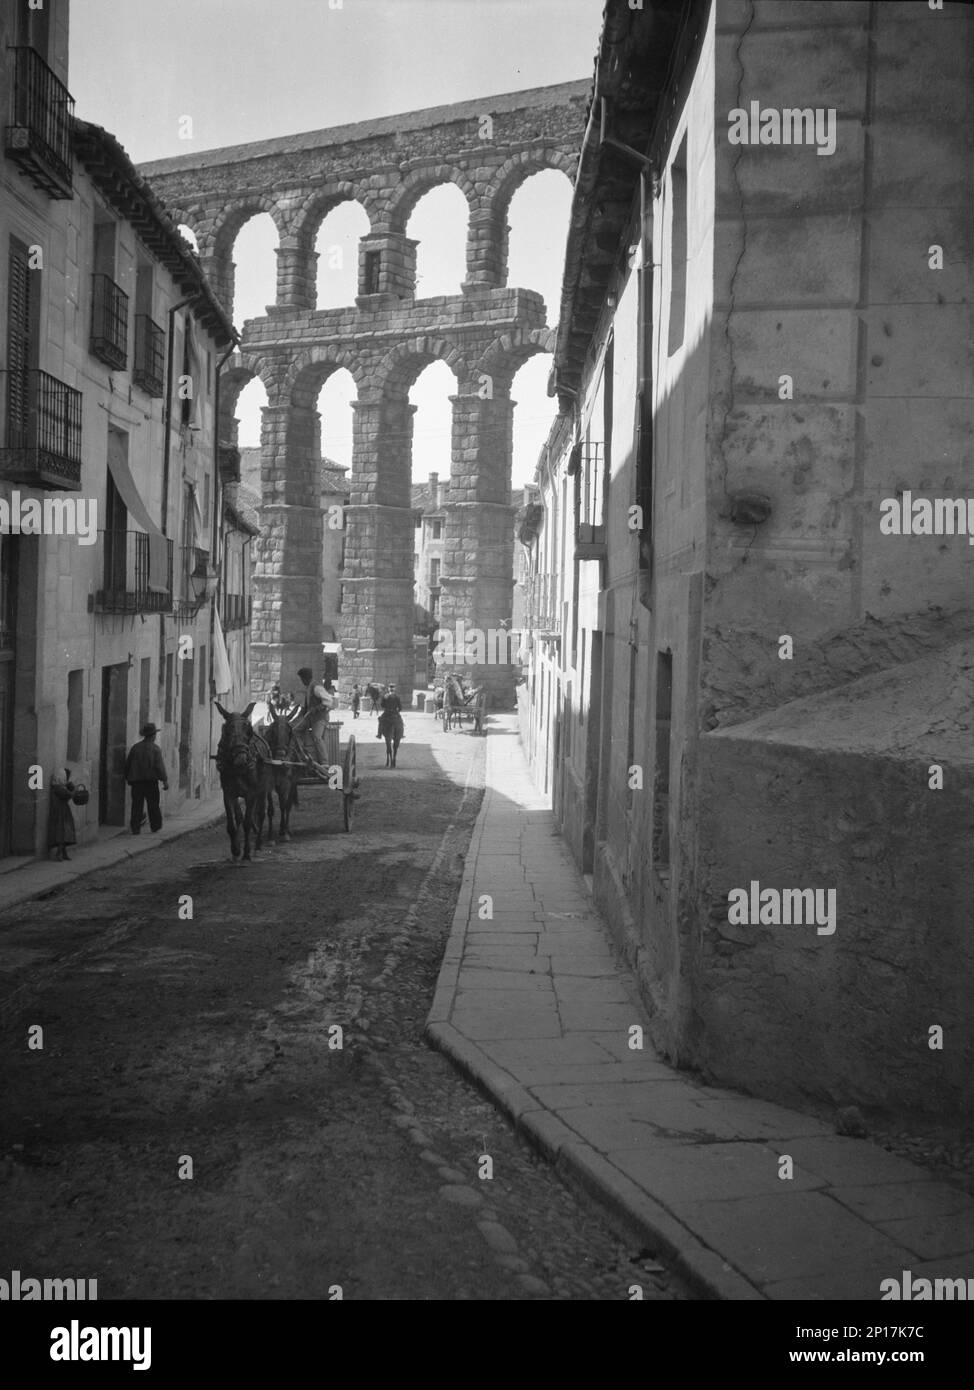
<point x="203" y="581"/>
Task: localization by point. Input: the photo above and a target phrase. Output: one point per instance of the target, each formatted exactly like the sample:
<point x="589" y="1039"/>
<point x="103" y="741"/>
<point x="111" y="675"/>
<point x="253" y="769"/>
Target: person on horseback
<point x="390" y="705"/>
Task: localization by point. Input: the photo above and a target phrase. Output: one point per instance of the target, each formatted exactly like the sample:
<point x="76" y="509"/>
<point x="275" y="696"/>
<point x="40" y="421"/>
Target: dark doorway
<point x="186" y="667"/>
<point x="593" y="750"/>
<point x="114" y="744"/>
<point x="8" y="620"/>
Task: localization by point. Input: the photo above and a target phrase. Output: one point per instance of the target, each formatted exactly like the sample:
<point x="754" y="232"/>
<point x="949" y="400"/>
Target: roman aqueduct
<point x="384" y="340"/>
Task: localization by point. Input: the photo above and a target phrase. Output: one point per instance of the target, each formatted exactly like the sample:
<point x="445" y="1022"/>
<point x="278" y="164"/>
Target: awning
<point x="222" y="680"/>
<point x="129" y="493"/>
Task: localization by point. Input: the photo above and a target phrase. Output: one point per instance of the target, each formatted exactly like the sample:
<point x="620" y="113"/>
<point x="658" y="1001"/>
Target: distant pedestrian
<point x="61" y="831"/>
<point x="356" y="699"/>
<point x="144" y="770"/>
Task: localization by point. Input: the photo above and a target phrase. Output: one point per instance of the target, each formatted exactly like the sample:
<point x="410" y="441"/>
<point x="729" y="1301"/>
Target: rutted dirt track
<point x="209" y="1038"/>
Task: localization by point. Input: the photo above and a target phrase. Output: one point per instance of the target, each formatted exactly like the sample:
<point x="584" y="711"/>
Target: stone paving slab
<point x="536" y="1008"/>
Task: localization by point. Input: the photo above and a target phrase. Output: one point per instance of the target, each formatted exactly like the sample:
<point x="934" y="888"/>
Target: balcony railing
<point x="39" y="135"/>
<point x="236" y="610"/>
<point x="109" y="322"/>
<point x="43" y="446"/>
<point x="126" y="576"/>
<point x="542" y="613"/>
<point x="148" y="368"/>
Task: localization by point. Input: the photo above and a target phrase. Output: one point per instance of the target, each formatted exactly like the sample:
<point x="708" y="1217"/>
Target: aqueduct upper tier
<point x="487" y="148"/>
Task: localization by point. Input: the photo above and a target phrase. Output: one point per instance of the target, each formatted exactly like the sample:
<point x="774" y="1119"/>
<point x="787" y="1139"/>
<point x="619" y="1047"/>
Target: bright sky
<point x="253" y="69"/>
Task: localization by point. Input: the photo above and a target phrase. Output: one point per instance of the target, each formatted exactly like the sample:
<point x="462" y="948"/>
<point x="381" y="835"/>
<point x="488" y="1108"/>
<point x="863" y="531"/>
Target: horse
<point x="391" y="729"/>
<point x="278" y="733"/>
<point x="374" y="692"/>
<point x="453" y="703"/>
<point x="244" y="776"/>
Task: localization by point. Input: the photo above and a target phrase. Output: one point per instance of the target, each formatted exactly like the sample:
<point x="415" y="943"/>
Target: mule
<point x="391" y="729"/>
<point x="278" y="735"/>
<point x="453" y="703"/>
<point x="244" y="777"/>
<point x="374" y="692"/>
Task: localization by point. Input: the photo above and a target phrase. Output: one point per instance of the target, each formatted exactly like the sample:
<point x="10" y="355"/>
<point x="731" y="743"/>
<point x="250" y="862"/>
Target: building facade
<point x="745" y="692"/>
<point x="110" y="474"/>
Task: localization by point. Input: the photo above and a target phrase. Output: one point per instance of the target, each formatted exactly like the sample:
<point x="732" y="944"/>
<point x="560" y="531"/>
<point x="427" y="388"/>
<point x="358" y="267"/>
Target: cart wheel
<point x="348" y="783"/>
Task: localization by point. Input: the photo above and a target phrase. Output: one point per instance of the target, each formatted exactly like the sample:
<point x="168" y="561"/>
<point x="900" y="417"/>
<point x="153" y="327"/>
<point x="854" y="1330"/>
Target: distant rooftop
<point x="560" y="93"/>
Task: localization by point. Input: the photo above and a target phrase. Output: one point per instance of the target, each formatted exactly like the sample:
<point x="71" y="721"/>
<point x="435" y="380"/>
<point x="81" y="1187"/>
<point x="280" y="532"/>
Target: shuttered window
<point x="20" y="356"/>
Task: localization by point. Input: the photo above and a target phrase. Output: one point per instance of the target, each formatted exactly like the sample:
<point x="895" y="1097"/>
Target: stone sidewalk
<point x="24" y="879"/>
<point x="533" y="1005"/>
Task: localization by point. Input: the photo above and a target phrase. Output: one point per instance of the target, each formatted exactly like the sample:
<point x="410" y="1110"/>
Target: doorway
<point x="186" y="668"/>
<point x="8" y="619"/>
<point x="114" y="744"/>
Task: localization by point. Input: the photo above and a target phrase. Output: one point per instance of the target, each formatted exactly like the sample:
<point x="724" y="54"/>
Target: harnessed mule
<point x="278" y="734"/>
<point x="244" y="776"/>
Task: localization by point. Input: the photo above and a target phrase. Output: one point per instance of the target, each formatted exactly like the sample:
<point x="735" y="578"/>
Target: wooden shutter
<point x="19" y="318"/>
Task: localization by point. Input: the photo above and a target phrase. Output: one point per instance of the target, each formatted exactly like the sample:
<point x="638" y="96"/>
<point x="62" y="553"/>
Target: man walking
<point x="144" y="770"/>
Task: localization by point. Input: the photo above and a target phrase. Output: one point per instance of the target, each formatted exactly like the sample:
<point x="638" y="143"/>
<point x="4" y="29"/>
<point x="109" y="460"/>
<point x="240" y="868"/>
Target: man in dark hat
<point x="318" y="700"/>
<point x="144" y="770"/>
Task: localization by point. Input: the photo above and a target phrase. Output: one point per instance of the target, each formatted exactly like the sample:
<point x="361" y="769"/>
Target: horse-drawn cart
<point x="339" y="774"/>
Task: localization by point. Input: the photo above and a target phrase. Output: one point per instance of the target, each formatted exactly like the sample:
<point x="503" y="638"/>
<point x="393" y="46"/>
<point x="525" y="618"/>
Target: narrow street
<point x="213" y="1038"/>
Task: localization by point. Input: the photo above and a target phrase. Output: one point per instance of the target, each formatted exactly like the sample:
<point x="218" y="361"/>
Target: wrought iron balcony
<point x="148" y="369"/>
<point x="43" y="447"/>
<point x="109" y="322"/>
<point x="38" y="137"/>
<point x="126" y="576"/>
<point x="542" y="613"/>
<point x="237" y="609"/>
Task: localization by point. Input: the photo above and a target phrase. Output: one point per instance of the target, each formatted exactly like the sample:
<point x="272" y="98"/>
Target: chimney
<point x="435" y="490"/>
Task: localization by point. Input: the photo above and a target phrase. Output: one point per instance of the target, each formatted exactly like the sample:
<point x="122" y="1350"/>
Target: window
<point x="147" y="370"/>
<point x="434" y="573"/>
<point x="109" y="304"/>
<point x="76" y="685"/>
<point x="436" y="530"/>
<point x="168" y="706"/>
<point x="191" y="379"/>
<point x="23" y="319"/>
<point x="678" y="249"/>
<point x="145" y="677"/>
<point x="373" y="261"/>
<point x="116" y="537"/>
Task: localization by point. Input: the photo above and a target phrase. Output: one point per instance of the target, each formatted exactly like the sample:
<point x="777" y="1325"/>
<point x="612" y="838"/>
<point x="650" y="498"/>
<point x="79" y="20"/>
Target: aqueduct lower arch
<point x="487" y="148"/>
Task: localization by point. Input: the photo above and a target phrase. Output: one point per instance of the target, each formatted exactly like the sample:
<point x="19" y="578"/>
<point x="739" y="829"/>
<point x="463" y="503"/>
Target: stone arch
<point x="402" y="364"/>
<point x="308" y="373"/>
<point x="506" y="354"/>
<point x="238" y="213"/>
<point x="317" y="206"/>
<point x="520" y="167"/>
<point x="420" y="182"/>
